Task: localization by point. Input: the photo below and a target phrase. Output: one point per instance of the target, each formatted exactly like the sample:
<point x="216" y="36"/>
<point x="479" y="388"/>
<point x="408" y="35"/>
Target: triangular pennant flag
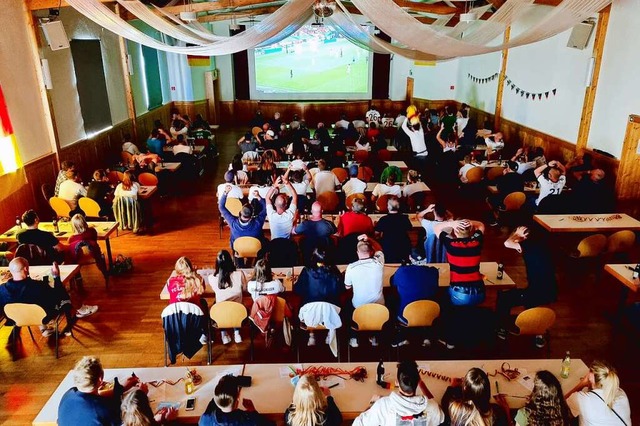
<point x="508" y="82"/>
<point x="517" y="90"/>
<point x="512" y="86"/>
<point x="522" y="93"/>
<point x="539" y="96"/>
<point x="554" y="92"/>
<point x="546" y="95"/>
<point x="527" y="95"/>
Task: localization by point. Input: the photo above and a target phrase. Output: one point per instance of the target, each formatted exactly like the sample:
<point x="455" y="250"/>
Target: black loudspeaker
<point x="381" y="69"/>
<point x="240" y="69"/>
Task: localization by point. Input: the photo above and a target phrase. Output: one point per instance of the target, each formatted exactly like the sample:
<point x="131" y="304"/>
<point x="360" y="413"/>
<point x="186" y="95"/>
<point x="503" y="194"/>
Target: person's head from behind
<point x="463" y="230"/>
<point x="127" y="180"/>
<point x="464" y="413"/>
<point x="262" y="271"/>
<point x="155" y="133"/>
<point x="192" y="284"/>
<point x="364" y="249"/>
<point x="246" y="213"/>
<point x="30" y="218"/>
<point x="88" y="374"/>
<point x="281" y="202"/>
<point x="373" y="125"/>
<point x="316" y="210"/>
<point x="440" y="211"/>
<point x="512" y="166"/>
<point x="322" y="164"/>
<point x="177" y="124"/>
<point x="67" y="165"/>
<point x="605" y="377"/>
<point x="467" y="159"/>
<point x="19" y="268"/>
<point x="100" y="175"/>
<point x="546" y="404"/>
<point x="309" y="403"/>
<point x="408" y="377"/>
<point x="353" y="171"/>
<point x="476" y="388"/>
<point x="79" y="224"/>
<point x="413" y="176"/>
<point x="357" y="205"/>
<point x="236" y="163"/>
<point x="72" y="175"/>
<point x="464" y="112"/>
<point x="230" y="176"/>
<point x="180" y="139"/>
<point x="393" y="204"/>
<point x="596" y="175"/>
<point x="320" y="256"/>
<point x="554" y="174"/>
<point x="391" y="179"/>
<point x="135" y="409"/>
<point x="224" y="267"/>
<point x="225" y="395"/>
<point x="184" y="266"/>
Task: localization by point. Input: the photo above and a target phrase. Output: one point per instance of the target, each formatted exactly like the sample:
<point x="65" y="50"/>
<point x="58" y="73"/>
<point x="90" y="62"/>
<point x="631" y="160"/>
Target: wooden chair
<point x="60" y="207"/>
<point x="365" y="173"/>
<point x="381" y="203"/>
<point x="277" y="317"/>
<point x="255" y="131"/>
<point x="349" y="201"/>
<point x="420" y="314"/>
<point x="619" y="244"/>
<point x="475" y="175"/>
<point x="341" y="174"/>
<point x="329" y="201"/>
<point x="536" y="322"/>
<point x="47" y="191"/>
<point x="127" y="159"/>
<point x="246" y="247"/>
<point x="512" y="203"/>
<point x="227" y="314"/>
<point x="115" y="177"/>
<point x="234" y="206"/>
<point x="369" y="317"/>
<point x="29" y="315"/>
<point x="90" y="208"/>
<point x="494" y="172"/>
<point x="148" y="179"/>
<point x="592" y="246"/>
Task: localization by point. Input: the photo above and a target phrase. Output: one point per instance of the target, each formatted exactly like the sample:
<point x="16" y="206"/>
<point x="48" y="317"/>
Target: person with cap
<point x="354" y="185"/>
<point x="510" y="181"/>
<point x="230" y="179"/>
<point x="246" y="225"/>
<point x="412" y="128"/>
<point x="280" y="216"/>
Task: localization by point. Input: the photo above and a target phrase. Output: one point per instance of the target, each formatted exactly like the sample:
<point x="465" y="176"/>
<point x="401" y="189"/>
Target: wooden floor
<point x="127" y="330"/>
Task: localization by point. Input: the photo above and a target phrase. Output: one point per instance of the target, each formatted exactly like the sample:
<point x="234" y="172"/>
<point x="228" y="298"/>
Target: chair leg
<point x="31" y="333"/>
<point x="209" y="349"/>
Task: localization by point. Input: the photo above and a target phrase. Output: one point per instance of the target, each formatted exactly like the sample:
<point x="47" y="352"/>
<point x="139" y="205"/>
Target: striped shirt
<point x="463" y="255"/>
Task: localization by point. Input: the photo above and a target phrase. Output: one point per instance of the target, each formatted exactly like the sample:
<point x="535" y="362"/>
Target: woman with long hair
<point x="262" y="282"/>
<point x="227" y="284"/>
<point x="598" y="398"/>
<point x="546" y="405"/>
<point x="136" y="410"/>
<point x="185" y="285"/>
<point x="465" y="414"/>
<point x="128" y="187"/>
<point x="312" y="405"/>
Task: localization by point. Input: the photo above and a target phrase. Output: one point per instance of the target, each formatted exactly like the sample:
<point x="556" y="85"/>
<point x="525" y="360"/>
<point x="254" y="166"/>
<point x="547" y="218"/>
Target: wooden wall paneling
<point x="627" y="187"/>
<point x="192" y="108"/>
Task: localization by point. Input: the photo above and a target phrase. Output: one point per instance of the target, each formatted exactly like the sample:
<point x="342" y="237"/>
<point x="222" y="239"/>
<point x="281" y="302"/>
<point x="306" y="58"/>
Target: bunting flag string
<point x="527" y="94"/>
<point x="482" y="80"/>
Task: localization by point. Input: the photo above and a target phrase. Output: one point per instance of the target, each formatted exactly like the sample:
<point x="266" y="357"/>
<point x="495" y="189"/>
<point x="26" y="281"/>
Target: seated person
<point x="551" y="179"/>
<point x="128" y="187"/>
<point x="404" y="403"/>
<point x="247" y="143"/>
<point x="355" y="221"/>
<point x="246" y="225"/>
<point x="592" y="194"/>
<point x="223" y="409"/>
<point x="83" y="405"/>
<point x="101" y="192"/>
<point x="434" y="249"/>
<point x="65" y="166"/>
<point x="48" y="242"/>
<point x="185" y="284"/>
<point x="128" y="146"/>
<point x="316" y="231"/>
<point x="343" y="123"/>
<point x="579" y="166"/>
<point x="451" y="142"/>
<point x="262" y="283"/>
<point x="414" y="184"/>
<point x="362" y="144"/>
<point x="312" y="405"/>
<point x="495" y="141"/>
<point x="470" y="161"/>
<point x="179" y="127"/>
<point x="279" y="215"/>
<point x="300" y="180"/>
<point x="181" y="146"/>
<point x="324" y="180"/>
<point x="388" y="188"/>
<point x="239" y="169"/>
<point x="136" y="409"/>
<point x="230" y="179"/>
<point x="521" y="158"/>
<point x="155" y="144"/>
<point x="227" y="284"/>
<point x="354" y="185"/>
<point x="547" y="405"/>
<point x="393" y="229"/>
<point x="510" y="181"/>
<point x="84" y="236"/>
<point x="72" y="189"/>
<point x="50" y="296"/>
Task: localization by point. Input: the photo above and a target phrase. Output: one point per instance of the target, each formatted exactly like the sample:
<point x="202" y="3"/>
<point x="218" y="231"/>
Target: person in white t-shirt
<point x="324" y="180"/>
<point x="598" y="400"/>
<point x="181" y="147"/>
<point x="71" y="189"/>
<point x="280" y="217"/>
<point x="414" y="184"/>
<point x="262" y="282"/>
<point x="179" y="127"/>
<point x="354" y="185"/>
<point x="343" y="123"/>
<point x="416" y="136"/>
<point x="494" y="141"/>
<point x="469" y="163"/>
<point x="365" y="277"/>
<point x="372" y="116"/>
<point x="389" y="188"/>
<point x="362" y="144"/>
<point x="551" y="179"/>
<point x="230" y="179"/>
<point x="227" y="283"/>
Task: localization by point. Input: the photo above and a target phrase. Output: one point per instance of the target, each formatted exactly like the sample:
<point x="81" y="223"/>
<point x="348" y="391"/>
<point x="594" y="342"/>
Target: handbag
<point x="122" y="265"/>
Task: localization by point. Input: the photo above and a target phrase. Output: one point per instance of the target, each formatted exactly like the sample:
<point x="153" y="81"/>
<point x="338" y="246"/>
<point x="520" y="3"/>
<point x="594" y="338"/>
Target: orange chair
<point x="148" y="179"/>
<point x="60" y="207"/>
<point x="620" y="244"/>
<point x="247" y="247"/>
<point x="341" y="174"/>
<point x="381" y="203"/>
<point x="90" y="208"/>
<point x="115" y="177"/>
<point x="475" y="175"/>
<point x="329" y="201"/>
<point x="369" y="317"/>
<point x="494" y="172"/>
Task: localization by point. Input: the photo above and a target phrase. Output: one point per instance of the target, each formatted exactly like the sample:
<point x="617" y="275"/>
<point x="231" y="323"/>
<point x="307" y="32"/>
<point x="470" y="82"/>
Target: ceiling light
<point x="188" y="16"/>
<point x="468" y="17"/>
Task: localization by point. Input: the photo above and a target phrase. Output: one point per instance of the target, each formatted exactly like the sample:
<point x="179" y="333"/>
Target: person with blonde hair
<point x="128" y="187"/>
<point x="312" y="405"/>
<point x="546" y="405"/>
<point x="184" y="284"/>
<point x="136" y="410"/>
<point x="598" y="399"/>
<point x="263" y="283"/>
<point x="465" y="414"/>
<point x="83" y="405"/>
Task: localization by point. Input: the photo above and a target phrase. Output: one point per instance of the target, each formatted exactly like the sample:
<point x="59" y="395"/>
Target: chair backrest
<point x="114" y="177"/>
<point x="228" y="314"/>
<point x="47" y="191"/>
<point x="256" y="130"/>
<point x="127" y="158"/>
<point x="365" y="173"/>
<point x="621" y="241"/>
<point x="34" y="254"/>
<point x="25" y="314"/>
<point x="421" y="313"/>
<point x="475" y="175"/>
<point x="349" y="201"/>
<point x="89" y="206"/>
<point x="384" y="155"/>
<point x="494" y="172"/>
<point x="360" y="156"/>
<point x="514" y="201"/>
<point x="279" y="310"/>
<point x="340" y="173"/>
<point x="381" y="203"/>
<point x="370" y="317"/>
<point x="234" y="205"/>
<point x="148" y="179"/>
<point x="60" y="206"/>
<point x="535" y="321"/>
<point x="328" y="200"/>
<point x="247" y="246"/>
<point x="592" y="246"/>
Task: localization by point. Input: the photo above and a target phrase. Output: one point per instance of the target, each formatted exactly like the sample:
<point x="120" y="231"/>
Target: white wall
<point x="618" y="94"/>
<point x="21" y="85"/>
<point x="224" y="64"/>
<point x="434" y="82"/>
<point x="399" y="71"/>
<point x="478" y="95"/>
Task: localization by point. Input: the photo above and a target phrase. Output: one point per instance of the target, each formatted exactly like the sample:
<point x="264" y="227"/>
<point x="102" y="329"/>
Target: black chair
<point x="47" y="191"/>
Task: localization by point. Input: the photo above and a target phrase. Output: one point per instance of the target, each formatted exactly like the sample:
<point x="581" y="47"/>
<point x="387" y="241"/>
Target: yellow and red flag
<point x="12" y="175"/>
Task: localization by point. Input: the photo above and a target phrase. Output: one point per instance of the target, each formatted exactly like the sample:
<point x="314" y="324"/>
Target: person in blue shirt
<point x="413" y="282"/>
<point x="155" y="144"/>
<point x="246" y="225"/>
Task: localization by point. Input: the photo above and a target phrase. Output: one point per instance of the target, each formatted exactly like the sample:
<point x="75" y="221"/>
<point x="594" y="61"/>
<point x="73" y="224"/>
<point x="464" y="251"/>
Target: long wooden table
<point x="375" y="217"/>
<point x="370" y="187"/>
<point x="196" y="149"/>
<point x="146" y="191"/>
<point x="104" y="229"/>
<point x="607" y="222"/>
<point x="623" y="273"/>
<point x="171" y="167"/>
<point x="271" y="388"/>
<point x="67" y="273"/>
<point x="288" y="276"/>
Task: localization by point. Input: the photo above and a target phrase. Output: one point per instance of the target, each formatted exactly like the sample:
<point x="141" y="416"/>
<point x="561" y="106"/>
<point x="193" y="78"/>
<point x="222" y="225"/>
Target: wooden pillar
<point x="590" y="92"/>
<point x="501" y="77"/>
<point x="627" y="187"/>
<point x="128" y="91"/>
<point x="210" y="80"/>
<point x="409" y="93"/>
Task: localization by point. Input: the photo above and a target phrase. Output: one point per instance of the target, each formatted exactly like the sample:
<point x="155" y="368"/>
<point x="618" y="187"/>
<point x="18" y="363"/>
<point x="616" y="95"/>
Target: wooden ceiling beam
<point x="52" y="4"/>
<point x="238" y="16"/>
